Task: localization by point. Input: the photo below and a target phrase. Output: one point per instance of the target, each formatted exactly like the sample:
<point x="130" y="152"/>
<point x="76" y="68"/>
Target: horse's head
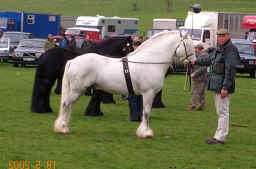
<point x="127" y="45"/>
<point x="185" y="49"/>
<point x="118" y="46"/>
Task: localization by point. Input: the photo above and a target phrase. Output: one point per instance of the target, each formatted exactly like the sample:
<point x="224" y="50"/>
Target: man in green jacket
<point x="221" y="80"/>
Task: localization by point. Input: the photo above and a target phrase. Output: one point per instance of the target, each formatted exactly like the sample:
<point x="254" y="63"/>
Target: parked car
<point x="14" y="39"/>
<point x="28" y="51"/>
<point x="4" y="49"/>
<point x="247" y="56"/>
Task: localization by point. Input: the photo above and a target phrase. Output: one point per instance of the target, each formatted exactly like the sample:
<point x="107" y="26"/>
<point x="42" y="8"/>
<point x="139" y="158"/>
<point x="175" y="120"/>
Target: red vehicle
<point x="249" y="22"/>
<point x="94" y="34"/>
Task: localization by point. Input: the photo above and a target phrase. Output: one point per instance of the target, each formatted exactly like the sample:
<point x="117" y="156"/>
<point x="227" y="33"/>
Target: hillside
<point x="146" y="10"/>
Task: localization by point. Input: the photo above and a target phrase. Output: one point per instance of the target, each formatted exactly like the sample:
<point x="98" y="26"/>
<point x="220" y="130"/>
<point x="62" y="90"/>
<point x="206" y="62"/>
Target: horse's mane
<point x="111" y="41"/>
<point x="152" y="40"/>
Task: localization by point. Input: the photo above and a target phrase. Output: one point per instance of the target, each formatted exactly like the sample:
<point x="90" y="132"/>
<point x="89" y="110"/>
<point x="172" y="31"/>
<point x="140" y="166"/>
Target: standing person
<point x="87" y="44"/>
<point x="141" y="39"/>
<point x="72" y="42"/>
<point x="49" y="43"/>
<point x="199" y="81"/>
<point x="79" y="41"/>
<point x="1" y="33"/>
<point x="64" y="41"/>
<point x="135" y="101"/>
<point x="221" y="80"/>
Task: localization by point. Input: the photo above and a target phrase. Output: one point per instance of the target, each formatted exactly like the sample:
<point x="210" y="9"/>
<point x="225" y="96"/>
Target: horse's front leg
<point x="144" y="131"/>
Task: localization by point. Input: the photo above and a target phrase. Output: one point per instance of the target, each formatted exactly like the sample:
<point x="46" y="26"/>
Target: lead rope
<point x="186" y="78"/>
<point x="188" y="73"/>
<point x="188" y="70"/>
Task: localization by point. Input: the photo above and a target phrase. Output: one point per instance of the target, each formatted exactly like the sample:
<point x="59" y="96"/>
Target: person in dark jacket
<point x="87" y="43"/>
<point x="221" y="80"/>
<point x="135" y="101"/>
<point x="72" y="42"/>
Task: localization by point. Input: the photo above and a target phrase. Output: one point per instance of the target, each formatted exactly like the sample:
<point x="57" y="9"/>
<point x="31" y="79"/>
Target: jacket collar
<point x="226" y="45"/>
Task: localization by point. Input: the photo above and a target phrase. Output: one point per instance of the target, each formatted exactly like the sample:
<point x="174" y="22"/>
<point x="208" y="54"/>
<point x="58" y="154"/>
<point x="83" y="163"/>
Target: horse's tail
<point x="65" y="81"/>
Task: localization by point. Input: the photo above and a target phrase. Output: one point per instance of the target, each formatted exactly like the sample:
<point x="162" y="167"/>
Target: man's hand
<point x="223" y="93"/>
<point x="186" y="61"/>
<point x="192" y="75"/>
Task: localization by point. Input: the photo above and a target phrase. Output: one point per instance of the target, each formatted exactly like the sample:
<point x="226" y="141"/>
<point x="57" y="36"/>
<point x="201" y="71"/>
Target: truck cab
<point x="206" y="36"/>
<point x="202" y="27"/>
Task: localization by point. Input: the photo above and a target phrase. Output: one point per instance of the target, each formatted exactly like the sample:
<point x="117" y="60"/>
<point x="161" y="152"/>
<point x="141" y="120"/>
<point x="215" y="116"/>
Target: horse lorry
<point x="203" y="26"/>
<point x="99" y="27"/>
<point x="39" y="24"/>
<point x="161" y="24"/>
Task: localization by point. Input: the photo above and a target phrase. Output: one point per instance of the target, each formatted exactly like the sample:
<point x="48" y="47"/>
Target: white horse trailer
<point x="109" y="26"/>
<point x="162" y="24"/>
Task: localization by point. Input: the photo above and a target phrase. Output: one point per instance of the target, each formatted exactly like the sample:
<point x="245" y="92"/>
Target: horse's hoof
<point x="65" y="131"/>
<point x="94" y="114"/>
<point x="145" y="135"/>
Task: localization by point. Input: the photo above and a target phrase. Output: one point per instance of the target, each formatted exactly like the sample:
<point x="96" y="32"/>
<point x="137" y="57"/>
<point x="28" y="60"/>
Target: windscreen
<point x="31" y="44"/>
<point x="194" y="33"/>
<point x="245" y="49"/>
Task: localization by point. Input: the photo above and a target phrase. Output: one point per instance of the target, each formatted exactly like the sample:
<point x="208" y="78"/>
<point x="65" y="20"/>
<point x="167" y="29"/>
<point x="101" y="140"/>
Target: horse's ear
<point x="184" y="34"/>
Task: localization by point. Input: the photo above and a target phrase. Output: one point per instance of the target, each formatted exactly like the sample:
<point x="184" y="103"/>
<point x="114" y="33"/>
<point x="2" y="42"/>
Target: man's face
<point x="222" y="39"/>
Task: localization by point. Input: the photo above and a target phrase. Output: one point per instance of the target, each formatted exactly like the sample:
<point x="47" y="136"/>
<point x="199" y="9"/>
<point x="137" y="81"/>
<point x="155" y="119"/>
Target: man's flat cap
<point x="222" y="31"/>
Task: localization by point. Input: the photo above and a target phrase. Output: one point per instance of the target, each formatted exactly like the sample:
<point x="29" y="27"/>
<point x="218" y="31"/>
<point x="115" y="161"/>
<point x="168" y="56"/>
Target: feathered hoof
<point x="60" y="129"/>
<point x="64" y="131"/>
<point x="146" y="134"/>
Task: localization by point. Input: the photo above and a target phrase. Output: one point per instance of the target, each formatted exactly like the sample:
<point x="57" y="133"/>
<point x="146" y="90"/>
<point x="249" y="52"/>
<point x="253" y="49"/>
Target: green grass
<point x="109" y="142"/>
<point x="146" y="9"/>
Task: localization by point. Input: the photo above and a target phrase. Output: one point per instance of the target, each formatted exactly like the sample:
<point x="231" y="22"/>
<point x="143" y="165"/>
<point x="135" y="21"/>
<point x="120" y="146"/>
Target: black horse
<point x="51" y="68"/>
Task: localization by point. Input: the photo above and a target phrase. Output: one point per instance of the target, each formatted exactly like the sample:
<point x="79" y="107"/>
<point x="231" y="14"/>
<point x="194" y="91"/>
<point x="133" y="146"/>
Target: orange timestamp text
<point x="32" y="164"/>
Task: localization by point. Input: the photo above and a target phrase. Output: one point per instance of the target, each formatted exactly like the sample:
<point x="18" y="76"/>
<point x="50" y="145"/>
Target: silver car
<point x="28" y="51"/>
<point x="4" y="49"/>
<point x="14" y="39"/>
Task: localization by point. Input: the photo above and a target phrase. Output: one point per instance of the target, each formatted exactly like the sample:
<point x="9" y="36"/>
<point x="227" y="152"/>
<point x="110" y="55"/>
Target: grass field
<point x="146" y="9"/>
<point x="109" y="142"/>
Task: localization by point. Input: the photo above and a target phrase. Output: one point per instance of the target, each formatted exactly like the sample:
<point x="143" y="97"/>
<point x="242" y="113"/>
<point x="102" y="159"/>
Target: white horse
<point x="148" y="65"/>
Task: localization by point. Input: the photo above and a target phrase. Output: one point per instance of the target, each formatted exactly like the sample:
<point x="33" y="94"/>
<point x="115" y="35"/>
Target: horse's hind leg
<point x="59" y="84"/>
<point x="144" y="131"/>
<point x="69" y="94"/>
<point x="61" y="124"/>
